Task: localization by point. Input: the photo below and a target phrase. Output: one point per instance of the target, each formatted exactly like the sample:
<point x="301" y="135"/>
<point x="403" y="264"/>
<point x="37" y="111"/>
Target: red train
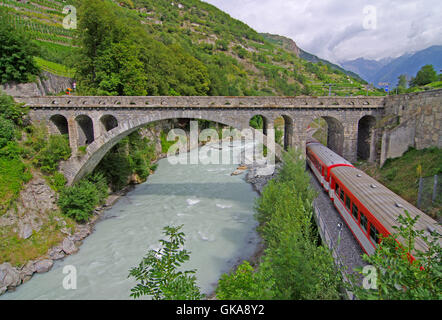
<point x="367" y="207"/>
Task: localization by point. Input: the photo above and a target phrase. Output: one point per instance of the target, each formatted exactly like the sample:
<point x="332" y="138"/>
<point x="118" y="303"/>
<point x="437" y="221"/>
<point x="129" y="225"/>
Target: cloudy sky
<point x="340" y="30"/>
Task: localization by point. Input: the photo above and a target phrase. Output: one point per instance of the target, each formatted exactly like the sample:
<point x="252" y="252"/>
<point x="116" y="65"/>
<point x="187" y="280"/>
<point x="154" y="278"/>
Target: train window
<point x="364" y="222"/>
<point x="374" y="234"/>
<point x="347" y="202"/>
<point x="337" y="188"/>
<point x="354" y="211"/>
<point x="342" y="195"/>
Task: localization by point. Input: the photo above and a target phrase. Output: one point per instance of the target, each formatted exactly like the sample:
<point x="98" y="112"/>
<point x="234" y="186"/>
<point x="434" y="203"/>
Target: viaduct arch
<point x="100" y="122"/>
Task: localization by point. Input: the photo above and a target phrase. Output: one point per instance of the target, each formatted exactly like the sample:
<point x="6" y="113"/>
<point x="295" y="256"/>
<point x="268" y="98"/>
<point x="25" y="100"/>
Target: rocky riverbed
<point x="11" y="277"/>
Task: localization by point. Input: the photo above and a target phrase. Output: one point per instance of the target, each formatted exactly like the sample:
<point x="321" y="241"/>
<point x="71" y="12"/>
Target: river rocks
<point x="25" y="232"/>
<point x="27" y="271"/>
<point x="82" y="232"/>
<point x="56" y="253"/>
<point x="9" y="277"/>
<point x="258" y="176"/>
<point x="69" y="246"/>
<point x="43" y="266"/>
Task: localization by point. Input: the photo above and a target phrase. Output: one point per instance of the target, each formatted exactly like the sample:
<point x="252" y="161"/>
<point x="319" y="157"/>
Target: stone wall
<point x="418" y="123"/>
<point x="46" y="84"/>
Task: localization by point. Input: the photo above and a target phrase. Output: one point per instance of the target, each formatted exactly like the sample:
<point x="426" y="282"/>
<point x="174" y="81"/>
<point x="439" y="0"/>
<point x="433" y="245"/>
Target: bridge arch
<point x="366" y="147"/>
<point x="58" y="124"/>
<point x="85" y="130"/>
<point x="284" y="125"/>
<point x="259" y="122"/>
<point x="329" y="131"/>
<point x="108" y="122"/>
<point x="77" y="167"/>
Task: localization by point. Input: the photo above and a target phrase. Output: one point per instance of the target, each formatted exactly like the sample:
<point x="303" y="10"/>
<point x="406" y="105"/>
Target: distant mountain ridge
<point x="389" y="69"/>
<point x="290" y="45"/>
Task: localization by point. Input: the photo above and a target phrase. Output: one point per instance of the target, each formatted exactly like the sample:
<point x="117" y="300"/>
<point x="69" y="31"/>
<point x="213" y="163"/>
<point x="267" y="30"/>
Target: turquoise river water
<point x="215" y="208"/>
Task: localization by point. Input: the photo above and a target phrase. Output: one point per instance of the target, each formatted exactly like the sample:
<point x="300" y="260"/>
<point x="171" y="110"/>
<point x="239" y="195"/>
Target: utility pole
<point x="329" y="88"/>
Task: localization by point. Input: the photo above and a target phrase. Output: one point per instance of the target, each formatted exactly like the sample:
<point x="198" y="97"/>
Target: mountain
<point x="290" y="45"/>
<point x="388" y="70"/>
<point x="237" y="60"/>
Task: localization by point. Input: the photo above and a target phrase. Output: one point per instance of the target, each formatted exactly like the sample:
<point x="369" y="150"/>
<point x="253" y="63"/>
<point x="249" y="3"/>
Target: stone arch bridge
<point x="100" y="122"/>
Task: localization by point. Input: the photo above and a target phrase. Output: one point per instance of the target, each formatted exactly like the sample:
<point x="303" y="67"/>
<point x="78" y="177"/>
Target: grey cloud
<point x="332" y="29"/>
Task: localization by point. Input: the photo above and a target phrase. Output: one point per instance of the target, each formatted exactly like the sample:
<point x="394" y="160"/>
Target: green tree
<point x="402" y="81"/>
<point x="424" y="76"/>
<point x="396" y="276"/>
<point x="16" y="54"/>
<point x="157" y="273"/>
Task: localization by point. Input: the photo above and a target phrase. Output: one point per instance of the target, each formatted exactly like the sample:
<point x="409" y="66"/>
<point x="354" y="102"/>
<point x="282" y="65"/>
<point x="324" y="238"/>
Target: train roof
<point x="383" y="204"/>
<point x="327" y="156"/>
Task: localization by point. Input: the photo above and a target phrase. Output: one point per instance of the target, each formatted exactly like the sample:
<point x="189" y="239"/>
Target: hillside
<point x="388" y="70"/>
<point x="238" y="60"/>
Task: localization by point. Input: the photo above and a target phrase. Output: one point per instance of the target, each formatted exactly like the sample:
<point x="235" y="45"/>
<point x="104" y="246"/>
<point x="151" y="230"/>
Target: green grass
<point x="55" y="68"/>
<point x="13" y="174"/>
<point x="18" y="251"/>
<point x="401" y="174"/>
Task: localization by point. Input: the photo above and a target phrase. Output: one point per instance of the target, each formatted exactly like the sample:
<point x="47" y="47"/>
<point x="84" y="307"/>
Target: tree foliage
<point x="424" y="76"/>
<point x="157" y="274"/>
<point x="118" y="57"/>
<point x="396" y="277"/>
<point x="16" y="54"/>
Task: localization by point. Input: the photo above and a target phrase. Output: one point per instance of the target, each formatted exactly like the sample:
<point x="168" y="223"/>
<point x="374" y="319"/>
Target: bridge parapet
<point x="203" y="102"/>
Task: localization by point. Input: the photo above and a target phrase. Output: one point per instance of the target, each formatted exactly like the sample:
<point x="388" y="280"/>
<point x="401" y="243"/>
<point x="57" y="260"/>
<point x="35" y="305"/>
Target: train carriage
<point x="321" y="160"/>
<point x="371" y="210"/>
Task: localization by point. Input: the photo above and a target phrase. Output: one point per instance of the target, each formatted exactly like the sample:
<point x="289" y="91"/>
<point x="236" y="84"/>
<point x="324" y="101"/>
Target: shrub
<point x="78" y="201"/>
<point x="100" y="183"/>
<point x="11" y="110"/>
<point x="57" y="149"/>
<point x="245" y="284"/>
<point x="7" y="131"/>
<point x="57" y="181"/>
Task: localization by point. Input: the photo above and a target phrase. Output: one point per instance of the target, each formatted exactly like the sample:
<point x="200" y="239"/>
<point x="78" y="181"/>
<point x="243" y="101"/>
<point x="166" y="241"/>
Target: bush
<point x="57" y="181"/>
<point x="245" y="284"/>
<point x="78" y="201"/>
<point x="11" y="110"/>
<point x="7" y="131"/>
<point x="57" y="149"/>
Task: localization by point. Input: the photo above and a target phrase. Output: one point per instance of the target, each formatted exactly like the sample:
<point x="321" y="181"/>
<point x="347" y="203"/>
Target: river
<point x="215" y="208"/>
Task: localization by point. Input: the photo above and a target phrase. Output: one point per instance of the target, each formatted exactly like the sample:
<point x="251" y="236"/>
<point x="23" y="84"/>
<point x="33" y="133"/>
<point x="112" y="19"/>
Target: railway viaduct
<point x="100" y="122"/>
